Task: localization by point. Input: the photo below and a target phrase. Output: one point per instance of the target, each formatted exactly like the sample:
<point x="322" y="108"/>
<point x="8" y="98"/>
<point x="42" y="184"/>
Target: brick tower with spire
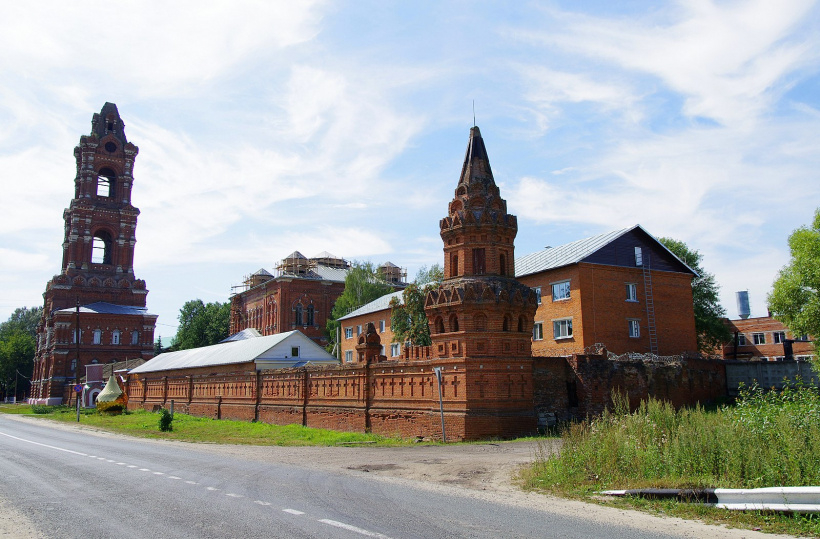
<point x="481" y="317"/>
<point x="96" y="285"/>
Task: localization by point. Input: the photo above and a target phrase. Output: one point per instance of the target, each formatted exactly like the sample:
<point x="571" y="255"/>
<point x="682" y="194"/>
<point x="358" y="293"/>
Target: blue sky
<point x="268" y="127"/>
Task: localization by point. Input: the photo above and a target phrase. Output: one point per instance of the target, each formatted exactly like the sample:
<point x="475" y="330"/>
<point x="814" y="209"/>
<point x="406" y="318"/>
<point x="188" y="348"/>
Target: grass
<point x="188" y="428"/>
<point x="767" y="438"/>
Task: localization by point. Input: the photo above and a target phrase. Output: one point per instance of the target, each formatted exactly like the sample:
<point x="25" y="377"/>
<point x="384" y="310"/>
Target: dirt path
<point x="485" y="471"/>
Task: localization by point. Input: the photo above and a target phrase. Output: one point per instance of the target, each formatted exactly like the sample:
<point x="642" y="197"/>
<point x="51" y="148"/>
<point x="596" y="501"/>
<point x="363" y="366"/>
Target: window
<point x="349" y="333"/>
<point x="358" y="330"/>
<point x="381" y="326"/>
<point x="560" y="291"/>
<point x="74" y="336"/>
<point x="298" y="311"/>
<point x="537" y="294"/>
<point x="779" y="337"/>
<point x="538" y="331"/>
<point x="562" y="329"/>
<point x="638" y="256"/>
<point x="97" y="336"/>
<point x="395" y="349"/>
<point x="631" y="292"/>
<point x="310" y="315"/>
<point x="759" y="338"/>
<point x="115" y="337"/>
<point x="502" y="264"/>
<point x="634" y="328"/>
<point x="453" y="322"/>
<point x="741" y="340"/>
<point x="101" y="248"/>
<point x="479" y="261"/>
<point x="105" y="183"/>
<point x="453" y="265"/>
<point x="135" y="337"/>
<point x="73" y="365"/>
<point x="348" y="356"/>
<point x="439" y="325"/>
<point x="294" y="351"/>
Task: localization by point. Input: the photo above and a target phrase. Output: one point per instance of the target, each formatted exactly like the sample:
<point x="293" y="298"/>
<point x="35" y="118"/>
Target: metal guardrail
<point x="792" y="499"/>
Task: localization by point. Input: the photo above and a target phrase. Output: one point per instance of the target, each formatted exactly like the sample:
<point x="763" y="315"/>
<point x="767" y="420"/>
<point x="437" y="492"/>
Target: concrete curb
<point x="791" y="499"/>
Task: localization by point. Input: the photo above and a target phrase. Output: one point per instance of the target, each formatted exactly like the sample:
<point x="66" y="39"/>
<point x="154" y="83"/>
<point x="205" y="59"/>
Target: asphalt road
<point x="72" y="484"/>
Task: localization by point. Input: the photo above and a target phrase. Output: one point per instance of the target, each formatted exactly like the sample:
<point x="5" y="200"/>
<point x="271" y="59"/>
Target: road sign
<point x="78" y="388"/>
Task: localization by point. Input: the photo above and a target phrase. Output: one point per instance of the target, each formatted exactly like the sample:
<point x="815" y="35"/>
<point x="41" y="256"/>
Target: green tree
<point x="202" y="324"/>
<point x="23" y="318"/>
<point x="795" y="295"/>
<point x="16" y="360"/>
<point x="408" y="321"/>
<point x="709" y="313"/>
<point x="363" y="284"/>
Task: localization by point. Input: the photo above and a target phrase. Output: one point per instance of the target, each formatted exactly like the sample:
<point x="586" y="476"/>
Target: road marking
<point x="329" y="522"/>
<point x="348" y="527"/>
<point x="45" y="445"/>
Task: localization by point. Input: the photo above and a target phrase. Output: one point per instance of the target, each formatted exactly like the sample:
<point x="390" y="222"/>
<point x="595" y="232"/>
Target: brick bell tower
<point x="96" y="285"/>
<point x="481" y="313"/>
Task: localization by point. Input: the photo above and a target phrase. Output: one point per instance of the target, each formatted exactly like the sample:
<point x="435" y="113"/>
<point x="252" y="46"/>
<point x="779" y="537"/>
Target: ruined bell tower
<point x="96" y="283"/>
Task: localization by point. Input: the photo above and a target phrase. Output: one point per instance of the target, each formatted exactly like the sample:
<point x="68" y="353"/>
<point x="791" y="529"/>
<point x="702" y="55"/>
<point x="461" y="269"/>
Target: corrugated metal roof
<point x="259" y="349"/>
<point x="247" y="333"/>
<point x="564" y="255"/>
<point x="102" y="307"/>
<point x="378" y="304"/>
<point x="330" y="274"/>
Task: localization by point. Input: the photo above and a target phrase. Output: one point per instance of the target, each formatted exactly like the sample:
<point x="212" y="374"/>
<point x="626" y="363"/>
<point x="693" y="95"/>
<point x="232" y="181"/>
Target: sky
<point x="268" y="127"/>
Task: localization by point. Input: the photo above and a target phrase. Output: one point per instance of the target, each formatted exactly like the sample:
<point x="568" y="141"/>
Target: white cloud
<point x="728" y="59"/>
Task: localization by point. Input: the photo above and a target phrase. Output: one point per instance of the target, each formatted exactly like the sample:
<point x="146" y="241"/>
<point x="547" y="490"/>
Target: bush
<point x="42" y="409"/>
<point x="165" y="420"/>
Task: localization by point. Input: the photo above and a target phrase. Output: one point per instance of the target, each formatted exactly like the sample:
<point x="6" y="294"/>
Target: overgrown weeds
<point x="767" y="438"/>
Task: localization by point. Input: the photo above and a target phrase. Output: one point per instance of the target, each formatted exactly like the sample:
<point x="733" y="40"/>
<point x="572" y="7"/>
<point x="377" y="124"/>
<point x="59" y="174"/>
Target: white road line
<point x="120" y="464"/>
<point x="131" y="466"/>
<point x="260" y="502"/>
<point x="211" y="488"/>
<point x="111" y="461"/>
<point x="159" y="473"/>
<point x="144" y="470"/>
<point x="293" y="511"/>
<point x="232" y="495"/>
<point x="173" y="477"/>
<point x="352" y="528"/>
<point x="45" y="445"/>
<point x="192" y="482"/>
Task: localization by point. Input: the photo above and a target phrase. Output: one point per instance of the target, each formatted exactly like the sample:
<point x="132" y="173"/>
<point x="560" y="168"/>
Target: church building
<point x="94" y="309"/>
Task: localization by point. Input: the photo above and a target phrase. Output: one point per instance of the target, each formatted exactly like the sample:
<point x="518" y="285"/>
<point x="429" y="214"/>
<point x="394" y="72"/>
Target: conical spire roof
<point x="476" y="166"/>
<point x="109" y="121"/>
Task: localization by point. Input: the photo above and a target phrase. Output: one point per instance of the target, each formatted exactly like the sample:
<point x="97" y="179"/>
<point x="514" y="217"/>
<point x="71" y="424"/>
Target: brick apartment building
<point x="96" y="294"/>
<point x="765" y="339"/>
<point x="300" y="296"/>
<point x="622" y="289"/>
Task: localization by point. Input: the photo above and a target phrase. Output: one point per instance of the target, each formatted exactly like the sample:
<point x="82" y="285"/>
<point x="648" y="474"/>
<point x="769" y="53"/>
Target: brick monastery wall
<point x="581" y="386"/>
<point x="482" y="399"/>
<point x="388" y="398"/>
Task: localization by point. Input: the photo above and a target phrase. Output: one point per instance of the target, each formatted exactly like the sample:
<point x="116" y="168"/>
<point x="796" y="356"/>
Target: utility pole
<point x="77" y="365"/>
